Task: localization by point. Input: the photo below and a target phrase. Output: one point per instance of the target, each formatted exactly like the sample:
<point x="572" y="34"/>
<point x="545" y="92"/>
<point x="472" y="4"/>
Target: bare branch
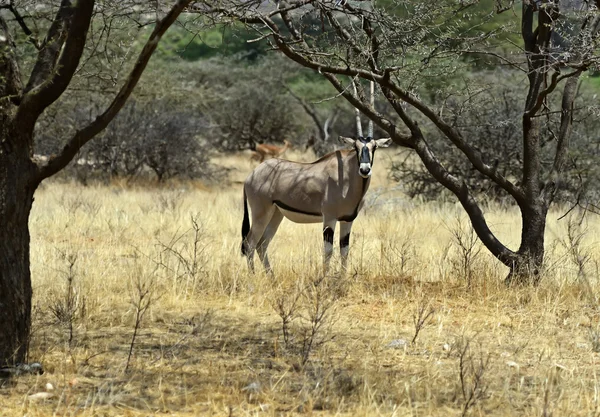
<point x="312" y="114"/>
<point x="34" y="41"/>
<point x="57" y="60"/>
<point x="562" y="144"/>
<point x="10" y="76"/>
<point x="469" y="203"/>
<point x="82" y="136"/>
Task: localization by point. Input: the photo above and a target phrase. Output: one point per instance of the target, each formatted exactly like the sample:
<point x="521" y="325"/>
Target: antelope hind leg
<point x="345" y="228"/>
<point x="328" y="232"/>
<point x="266" y="238"/>
<point x="259" y="224"/>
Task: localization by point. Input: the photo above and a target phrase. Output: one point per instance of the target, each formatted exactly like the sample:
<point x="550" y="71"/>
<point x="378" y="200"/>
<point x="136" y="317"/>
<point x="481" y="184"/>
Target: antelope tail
<point x="245" y="224"/>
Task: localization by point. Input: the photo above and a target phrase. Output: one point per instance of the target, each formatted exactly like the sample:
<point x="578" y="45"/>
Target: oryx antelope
<point x="329" y="190"/>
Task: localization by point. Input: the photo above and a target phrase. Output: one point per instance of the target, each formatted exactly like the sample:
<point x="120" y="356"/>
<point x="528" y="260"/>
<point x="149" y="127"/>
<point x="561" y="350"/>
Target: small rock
<point x="397" y="344"/>
<point x="446" y="347"/>
<point x="253" y="387"/>
<point x="561" y="367"/>
<point x="512" y="364"/>
<point x="40" y="396"/>
<point x="49" y="387"/>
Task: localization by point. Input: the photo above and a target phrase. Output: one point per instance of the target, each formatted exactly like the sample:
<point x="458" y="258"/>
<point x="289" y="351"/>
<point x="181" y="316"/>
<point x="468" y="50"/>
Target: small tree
<point x="409" y="48"/>
<point x="267" y="113"/>
<point x="57" y="56"/>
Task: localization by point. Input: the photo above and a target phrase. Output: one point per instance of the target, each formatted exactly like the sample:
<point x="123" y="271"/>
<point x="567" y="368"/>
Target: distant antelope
<point x="328" y="190"/>
<point x="263" y="150"/>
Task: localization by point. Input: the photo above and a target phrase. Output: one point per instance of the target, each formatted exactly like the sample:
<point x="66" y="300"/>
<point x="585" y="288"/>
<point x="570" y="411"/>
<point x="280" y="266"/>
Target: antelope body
<point x="329" y="190"/>
<point x="262" y="150"/>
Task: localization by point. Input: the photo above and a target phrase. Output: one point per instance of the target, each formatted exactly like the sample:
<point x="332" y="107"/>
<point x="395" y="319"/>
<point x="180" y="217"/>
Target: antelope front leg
<point x="328" y="228"/>
<point x="345" y="228"/>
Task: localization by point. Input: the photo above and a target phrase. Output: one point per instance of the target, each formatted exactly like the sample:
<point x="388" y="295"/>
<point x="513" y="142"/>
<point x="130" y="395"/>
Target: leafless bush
<point x="422" y="314"/>
<point x="171" y="201"/>
<point x="142" y="293"/>
<point x="471" y="371"/>
<point x="397" y="253"/>
<point x="69" y="305"/>
<point x="307" y="312"/>
<point x="468" y="249"/>
<point x="71" y="202"/>
<point x="184" y="256"/>
<point x="318" y="316"/>
<point x="91" y="207"/>
<point x="573" y="243"/>
<point x="286" y="304"/>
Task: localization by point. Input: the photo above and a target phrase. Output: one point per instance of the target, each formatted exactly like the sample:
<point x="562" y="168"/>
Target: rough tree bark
<point x="20" y="173"/>
<point x="16" y="198"/>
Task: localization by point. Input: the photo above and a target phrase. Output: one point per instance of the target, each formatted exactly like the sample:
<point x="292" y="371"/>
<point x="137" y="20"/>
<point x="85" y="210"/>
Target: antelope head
<point x="365" y="146"/>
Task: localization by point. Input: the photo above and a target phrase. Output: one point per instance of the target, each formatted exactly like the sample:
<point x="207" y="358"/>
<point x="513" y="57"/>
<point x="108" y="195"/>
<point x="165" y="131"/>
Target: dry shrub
<point x="307" y="310"/>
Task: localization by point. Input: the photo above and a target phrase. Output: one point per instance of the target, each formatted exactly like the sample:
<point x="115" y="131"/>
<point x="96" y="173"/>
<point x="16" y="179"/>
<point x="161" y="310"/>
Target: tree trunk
<point x="530" y="256"/>
<point x="17" y="186"/>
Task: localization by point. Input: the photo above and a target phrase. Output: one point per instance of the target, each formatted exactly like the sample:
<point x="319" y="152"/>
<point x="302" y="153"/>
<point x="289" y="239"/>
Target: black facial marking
<point x="364" y="156"/>
<point x="328" y="235"/>
<point x="345" y="241"/>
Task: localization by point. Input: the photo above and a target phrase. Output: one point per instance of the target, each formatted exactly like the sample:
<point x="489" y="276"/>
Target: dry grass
<point x="211" y="341"/>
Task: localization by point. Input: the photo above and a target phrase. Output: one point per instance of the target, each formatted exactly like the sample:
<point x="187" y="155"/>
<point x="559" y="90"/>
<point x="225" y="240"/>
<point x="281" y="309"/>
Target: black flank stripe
<point x="295" y="210"/>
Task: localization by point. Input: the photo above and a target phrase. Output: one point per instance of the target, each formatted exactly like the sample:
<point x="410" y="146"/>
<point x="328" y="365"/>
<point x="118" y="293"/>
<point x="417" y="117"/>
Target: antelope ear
<point x="346" y="140"/>
<point x="383" y="143"/>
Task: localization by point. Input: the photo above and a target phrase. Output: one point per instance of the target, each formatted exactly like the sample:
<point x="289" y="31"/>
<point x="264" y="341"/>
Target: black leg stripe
<point x="328" y="235"/>
<point x="345" y="241"/>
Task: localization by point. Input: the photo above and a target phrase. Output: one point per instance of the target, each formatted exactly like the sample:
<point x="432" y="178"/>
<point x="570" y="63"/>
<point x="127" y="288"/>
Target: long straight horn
<point x="370" y="129"/>
<point x="359" y="132"/>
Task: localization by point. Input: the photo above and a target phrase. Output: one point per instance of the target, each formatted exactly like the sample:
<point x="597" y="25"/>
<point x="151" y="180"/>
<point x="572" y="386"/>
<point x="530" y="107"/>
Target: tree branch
<point x="58" y="162"/>
<point x="436" y="169"/>
<point x="527" y="32"/>
<point x="11" y="7"/>
<point x="562" y="145"/>
<point x="50" y="47"/>
<point x="310" y="111"/>
<point x="10" y="76"/>
<point x="56" y="71"/>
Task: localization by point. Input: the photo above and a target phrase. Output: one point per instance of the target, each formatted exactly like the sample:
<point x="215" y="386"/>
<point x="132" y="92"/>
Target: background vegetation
<point x="142" y="304"/>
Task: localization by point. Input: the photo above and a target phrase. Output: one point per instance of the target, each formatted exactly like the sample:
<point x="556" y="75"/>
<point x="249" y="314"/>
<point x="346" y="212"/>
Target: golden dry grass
<point x="211" y="341"/>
